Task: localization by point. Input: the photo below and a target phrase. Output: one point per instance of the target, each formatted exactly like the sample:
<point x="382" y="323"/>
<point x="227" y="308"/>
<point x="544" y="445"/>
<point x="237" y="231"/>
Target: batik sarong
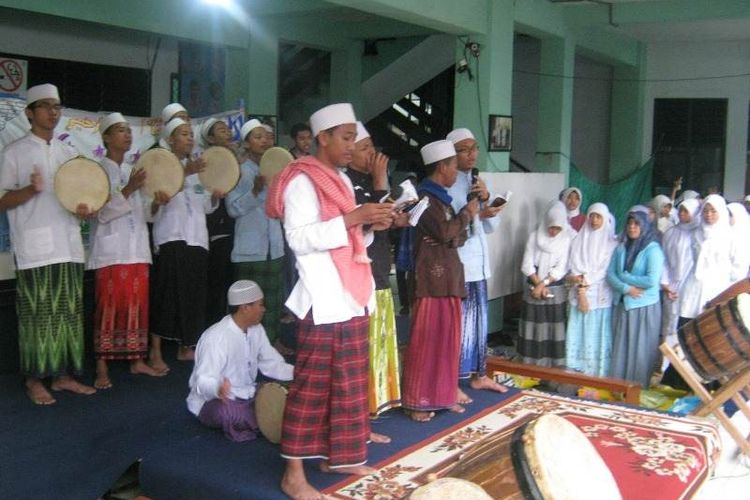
<point x="474" y="330"/>
<point x="49" y="305"/>
<point x="269" y="275"/>
<point x="431" y="362"/>
<point x="121" y="317"/>
<point x="385" y="390"/>
<point x="326" y="408"/>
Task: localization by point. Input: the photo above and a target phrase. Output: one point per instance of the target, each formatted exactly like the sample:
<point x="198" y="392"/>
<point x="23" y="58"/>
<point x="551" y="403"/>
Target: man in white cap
<point x="323" y="226"/>
<point x="475" y="257"/>
<point x="258" y="251"/>
<point x="368" y="173"/>
<point x="170" y="112"/>
<point x="48" y="252"/>
<point x="227" y="360"/>
<point x="431" y="361"/>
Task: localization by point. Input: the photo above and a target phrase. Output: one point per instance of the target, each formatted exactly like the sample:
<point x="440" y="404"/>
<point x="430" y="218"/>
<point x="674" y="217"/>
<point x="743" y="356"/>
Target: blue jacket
<point x="646" y="274"/>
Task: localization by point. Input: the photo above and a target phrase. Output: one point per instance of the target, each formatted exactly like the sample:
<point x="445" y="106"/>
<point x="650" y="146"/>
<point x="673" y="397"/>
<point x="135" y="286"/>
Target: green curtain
<point x="619" y="196"/>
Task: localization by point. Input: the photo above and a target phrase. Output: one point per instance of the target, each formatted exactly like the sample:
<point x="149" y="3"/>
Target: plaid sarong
<point x="326" y="409"/>
<point x="49" y="305"/>
<point x="269" y="275"/>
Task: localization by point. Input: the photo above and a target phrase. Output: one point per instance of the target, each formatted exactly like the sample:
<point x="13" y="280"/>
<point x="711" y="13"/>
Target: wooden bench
<point x="630" y="389"/>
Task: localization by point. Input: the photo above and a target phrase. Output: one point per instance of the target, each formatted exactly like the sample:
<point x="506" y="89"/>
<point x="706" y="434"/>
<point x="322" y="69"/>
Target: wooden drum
<point x="717" y="343"/>
<point x="548" y="458"/>
<point x="270" y="401"/>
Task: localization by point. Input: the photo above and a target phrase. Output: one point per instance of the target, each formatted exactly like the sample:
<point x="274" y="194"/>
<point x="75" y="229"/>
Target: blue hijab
<point x="634" y="247"/>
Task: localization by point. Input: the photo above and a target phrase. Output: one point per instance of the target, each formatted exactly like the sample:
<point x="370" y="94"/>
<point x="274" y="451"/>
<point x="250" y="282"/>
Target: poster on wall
<point x="202" y="78"/>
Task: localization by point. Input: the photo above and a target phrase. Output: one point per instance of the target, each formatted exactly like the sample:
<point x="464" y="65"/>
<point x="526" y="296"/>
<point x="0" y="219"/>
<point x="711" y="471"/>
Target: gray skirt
<point x="542" y="328"/>
<point x="636" y="342"/>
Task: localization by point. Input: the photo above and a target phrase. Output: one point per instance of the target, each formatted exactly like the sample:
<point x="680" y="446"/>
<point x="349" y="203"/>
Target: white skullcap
<point x="243" y="292"/>
<point x="43" y="91"/>
<point x="459" y="134"/>
<point x="436" y="151"/>
<point x="206" y="128"/>
<point x="362" y="132"/>
<point x="747" y="198"/>
<point x="248" y="127"/>
<point x="267" y="128"/>
<point x="331" y="116"/>
<point x="170" y="127"/>
<point x="110" y="120"/>
<point x="170" y="110"/>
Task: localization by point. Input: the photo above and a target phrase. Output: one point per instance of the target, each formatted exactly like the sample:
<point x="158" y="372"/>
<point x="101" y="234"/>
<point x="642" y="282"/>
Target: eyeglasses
<point x="48" y="107"/>
<point x="463" y="151"/>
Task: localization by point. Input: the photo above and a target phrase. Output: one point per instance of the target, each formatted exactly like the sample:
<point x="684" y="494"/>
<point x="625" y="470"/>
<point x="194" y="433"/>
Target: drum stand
<point x="731" y="388"/>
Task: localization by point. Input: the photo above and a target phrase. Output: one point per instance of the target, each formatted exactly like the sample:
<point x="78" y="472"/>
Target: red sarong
<point x="326" y="412"/>
<point x="121" y="318"/>
<point x="430" y="379"/>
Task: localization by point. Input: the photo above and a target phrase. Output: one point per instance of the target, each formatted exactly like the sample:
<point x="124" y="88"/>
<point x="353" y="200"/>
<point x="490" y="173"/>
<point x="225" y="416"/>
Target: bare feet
<point x="158" y="365"/>
<point x="38" y="393"/>
<point x="295" y="485"/>
<point x="155" y="359"/>
<point x="67" y="383"/>
<point x="185" y="354"/>
<point x="139" y="367"/>
<point x="457" y="408"/>
<point x="356" y="470"/>
<point x="102" y="380"/>
<point x="420" y="416"/>
<point x="463" y="398"/>
<point x="486" y="383"/>
<point x="379" y="438"/>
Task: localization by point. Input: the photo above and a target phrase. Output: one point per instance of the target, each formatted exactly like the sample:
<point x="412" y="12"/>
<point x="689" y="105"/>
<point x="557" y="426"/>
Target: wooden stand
<point x="731" y="387"/>
<point x="630" y="389"/>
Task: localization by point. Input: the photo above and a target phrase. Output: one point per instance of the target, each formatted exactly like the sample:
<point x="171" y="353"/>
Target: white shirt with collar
<point x="119" y="233"/>
<point x="319" y="286"/>
<point x="226" y="351"/>
<point x="184" y="217"/>
<point x="42" y="232"/>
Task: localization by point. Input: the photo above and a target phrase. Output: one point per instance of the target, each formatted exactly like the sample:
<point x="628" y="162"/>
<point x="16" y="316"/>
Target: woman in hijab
<point x="589" y="333"/>
<point x="545" y="264"/>
<point x="662" y="206"/>
<point x="634" y="274"/>
<point x="573" y="198"/>
<point x="740" y="222"/>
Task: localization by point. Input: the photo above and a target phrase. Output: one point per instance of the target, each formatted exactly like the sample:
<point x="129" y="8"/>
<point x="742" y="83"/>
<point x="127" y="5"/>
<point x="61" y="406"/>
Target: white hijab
<point x="592" y="249"/>
<point x="548" y="250"/>
<point x="678" y="244"/>
<point x="741" y="233"/>
<point x="564" y="198"/>
<point x="713" y="242"/>
<point x="657" y="203"/>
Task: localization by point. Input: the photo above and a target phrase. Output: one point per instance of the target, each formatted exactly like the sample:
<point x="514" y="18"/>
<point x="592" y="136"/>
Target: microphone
<point x="474" y="178"/>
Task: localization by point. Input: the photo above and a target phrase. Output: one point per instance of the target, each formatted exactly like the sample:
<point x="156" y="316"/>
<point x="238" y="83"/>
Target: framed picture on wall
<point x="500" y="133"/>
<point x="271" y="120"/>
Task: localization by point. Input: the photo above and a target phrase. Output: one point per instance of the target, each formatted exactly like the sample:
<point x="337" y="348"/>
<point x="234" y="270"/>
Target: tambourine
<point x="81" y="180"/>
<point x="222" y="172"/>
<point x="273" y="161"/>
<point x="164" y="172"/>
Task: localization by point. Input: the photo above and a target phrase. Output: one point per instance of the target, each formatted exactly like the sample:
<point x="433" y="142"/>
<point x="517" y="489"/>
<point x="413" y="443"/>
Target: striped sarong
<point x="474" y="330"/>
<point x="542" y="328"/>
<point x="385" y="390"/>
<point x="49" y="305"/>
<point x="121" y="317"/>
<point x="431" y="362"/>
<point x="326" y="408"/>
<point x="269" y="275"/>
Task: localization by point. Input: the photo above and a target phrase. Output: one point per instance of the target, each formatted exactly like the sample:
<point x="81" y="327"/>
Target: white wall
<point x="37" y="35"/>
<point x="688" y="60"/>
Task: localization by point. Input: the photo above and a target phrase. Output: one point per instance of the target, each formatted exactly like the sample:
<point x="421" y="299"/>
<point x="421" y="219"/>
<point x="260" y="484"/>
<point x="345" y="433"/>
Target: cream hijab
<point x="592" y="249"/>
<point x="712" y="242"/>
<point x="551" y="249"/>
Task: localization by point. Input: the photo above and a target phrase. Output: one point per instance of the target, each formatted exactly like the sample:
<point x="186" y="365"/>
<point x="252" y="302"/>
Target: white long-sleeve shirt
<point x="319" y="286"/>
<point x="225" y="351"/>
<point x="119" y="234"/>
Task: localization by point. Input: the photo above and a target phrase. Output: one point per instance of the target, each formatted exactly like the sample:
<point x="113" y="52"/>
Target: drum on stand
<point x="164" y="172"/>
<point x="717" y="343"/>
<point x="546" y="458"/>
<point x="270" y="400"/>
<point x="82" y="181"/>
<point x="273" y="161"/>
<point x="222" y="172"/>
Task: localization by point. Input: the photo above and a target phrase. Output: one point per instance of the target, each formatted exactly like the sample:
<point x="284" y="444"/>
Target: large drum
<point x="164" y="172"/>
<point x="547" y="458"/>
<point x="270" y="401"/>
<point x="222" y="172"/>
<point x="717" y="343"/>
<point x="449" y="488"/>
<point x="81" y="181"/>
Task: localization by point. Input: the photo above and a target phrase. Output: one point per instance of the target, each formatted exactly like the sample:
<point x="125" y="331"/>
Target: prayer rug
<point x="650" y="454"/>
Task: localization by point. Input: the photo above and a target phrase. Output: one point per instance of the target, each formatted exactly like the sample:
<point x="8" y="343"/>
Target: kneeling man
<point x="227" y="359"/>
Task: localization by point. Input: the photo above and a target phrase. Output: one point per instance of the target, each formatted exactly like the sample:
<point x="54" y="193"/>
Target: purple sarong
<point x="235" y="417"/>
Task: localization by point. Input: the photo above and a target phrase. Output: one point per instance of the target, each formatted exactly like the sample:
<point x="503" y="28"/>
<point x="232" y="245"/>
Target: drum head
<point x="273" y="161"/>
<point x="81" y="180"/>
<point x="449" y="488"/>
<point x="222" y="172"/>
<point x="270" y="401"/>
<point x="164" y="172"/>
